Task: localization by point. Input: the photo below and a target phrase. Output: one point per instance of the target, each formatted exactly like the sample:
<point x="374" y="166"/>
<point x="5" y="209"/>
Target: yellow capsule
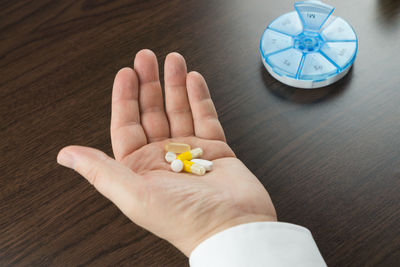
<point x="177" y="147"/>
<point x="192" y="167"/>
<point x="192" y="154"/>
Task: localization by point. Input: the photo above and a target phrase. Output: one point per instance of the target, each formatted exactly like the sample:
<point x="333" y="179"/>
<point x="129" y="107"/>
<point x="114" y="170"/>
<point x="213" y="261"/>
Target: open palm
<point x="182" y="208"/>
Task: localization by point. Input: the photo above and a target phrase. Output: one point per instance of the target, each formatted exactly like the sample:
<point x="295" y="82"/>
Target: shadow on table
<point x="388" y="11"/>
<point x="305" y="96"/>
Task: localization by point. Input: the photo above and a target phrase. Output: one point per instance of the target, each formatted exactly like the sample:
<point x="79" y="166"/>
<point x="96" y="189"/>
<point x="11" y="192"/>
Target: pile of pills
<point x="182" y="157"/>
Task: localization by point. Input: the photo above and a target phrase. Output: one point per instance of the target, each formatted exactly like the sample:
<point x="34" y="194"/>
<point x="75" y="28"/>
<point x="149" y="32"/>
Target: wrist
<point x="189" y="247"/>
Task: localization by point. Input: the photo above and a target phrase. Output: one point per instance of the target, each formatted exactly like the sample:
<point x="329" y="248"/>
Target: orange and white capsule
<point x="191" y="154"/>
<point x="191" y="167"/>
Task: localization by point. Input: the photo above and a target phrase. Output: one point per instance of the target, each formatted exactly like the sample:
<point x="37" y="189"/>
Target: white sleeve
<point x="256" y="244"/>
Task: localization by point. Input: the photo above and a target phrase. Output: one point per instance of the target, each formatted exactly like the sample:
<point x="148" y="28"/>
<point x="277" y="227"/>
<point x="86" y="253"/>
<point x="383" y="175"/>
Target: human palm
<point x="180" y="207"/>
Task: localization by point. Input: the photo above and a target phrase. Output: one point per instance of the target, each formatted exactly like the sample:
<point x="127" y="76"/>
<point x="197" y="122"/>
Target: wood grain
<point x="330" y="158"/>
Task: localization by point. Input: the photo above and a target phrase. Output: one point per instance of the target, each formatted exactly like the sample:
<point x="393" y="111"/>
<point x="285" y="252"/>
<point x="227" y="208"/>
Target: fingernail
<point x="65" y="159"/>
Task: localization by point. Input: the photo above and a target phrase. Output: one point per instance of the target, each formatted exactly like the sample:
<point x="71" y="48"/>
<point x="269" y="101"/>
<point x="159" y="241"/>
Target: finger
<point x="127" y="134"/>
<point x="112" y="179"/>
<point x="176" y="98"/>
<point x="205" y="118"/>
<point x="153" y="118"/>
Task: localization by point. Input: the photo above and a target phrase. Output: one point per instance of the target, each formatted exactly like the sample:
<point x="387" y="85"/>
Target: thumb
<point x="112" y="179"/>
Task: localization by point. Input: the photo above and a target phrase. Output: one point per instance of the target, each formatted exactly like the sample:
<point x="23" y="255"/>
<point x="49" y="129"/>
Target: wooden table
<point x="330" y="158"/>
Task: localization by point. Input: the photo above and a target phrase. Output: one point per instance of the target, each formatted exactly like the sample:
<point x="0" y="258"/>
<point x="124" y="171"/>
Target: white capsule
<point x="208" y="165"/>
<point x="170" y="157"/>
<point x="177" y="165"/>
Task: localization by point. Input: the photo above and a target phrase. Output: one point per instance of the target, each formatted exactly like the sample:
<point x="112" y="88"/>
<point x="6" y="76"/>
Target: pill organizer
<point x="309" y="48"/>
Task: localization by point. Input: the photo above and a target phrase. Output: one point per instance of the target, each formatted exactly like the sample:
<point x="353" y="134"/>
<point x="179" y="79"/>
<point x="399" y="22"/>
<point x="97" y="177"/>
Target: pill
<point x="192" y="167"/>
<point x="170" y="157"/>
<point x="191" y="154"/>
<point x="177" y="165"/>
<point x="208" y="165"/>
<point x="177" y="147"/>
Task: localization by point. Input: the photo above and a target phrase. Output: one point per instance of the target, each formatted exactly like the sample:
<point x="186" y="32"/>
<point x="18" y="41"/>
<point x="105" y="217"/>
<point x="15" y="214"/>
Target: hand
<point x="182" y="208"/>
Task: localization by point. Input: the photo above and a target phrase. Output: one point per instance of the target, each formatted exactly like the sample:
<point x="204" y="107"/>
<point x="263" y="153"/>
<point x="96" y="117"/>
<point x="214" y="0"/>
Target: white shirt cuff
<point x="258" y="244"/>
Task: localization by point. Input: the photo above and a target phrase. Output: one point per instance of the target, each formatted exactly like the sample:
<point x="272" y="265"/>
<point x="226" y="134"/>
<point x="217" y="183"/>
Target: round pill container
<point x="309" y="48"/>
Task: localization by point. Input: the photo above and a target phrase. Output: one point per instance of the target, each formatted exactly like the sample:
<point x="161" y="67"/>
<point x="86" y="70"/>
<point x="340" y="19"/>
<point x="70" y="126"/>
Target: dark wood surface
<point x="330" y="158"/>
